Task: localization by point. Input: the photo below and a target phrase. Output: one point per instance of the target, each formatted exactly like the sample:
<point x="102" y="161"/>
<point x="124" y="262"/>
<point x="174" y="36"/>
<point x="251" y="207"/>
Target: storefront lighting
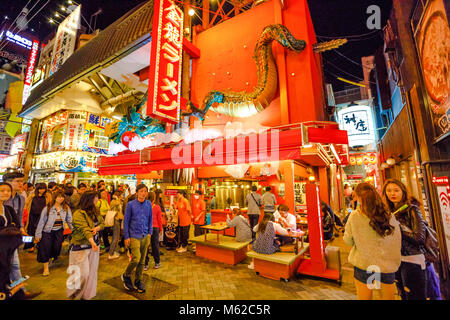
<point x="390" y="161"/>
<point x="312" y="178"/>
<point x="308" y="145"/>
<point x="191" y="12"/>
<point x="63" y="8"/>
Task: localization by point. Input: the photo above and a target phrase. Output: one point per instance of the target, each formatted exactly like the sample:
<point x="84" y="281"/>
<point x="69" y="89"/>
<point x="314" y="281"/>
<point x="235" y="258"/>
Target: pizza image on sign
<point x="436" y="58"/>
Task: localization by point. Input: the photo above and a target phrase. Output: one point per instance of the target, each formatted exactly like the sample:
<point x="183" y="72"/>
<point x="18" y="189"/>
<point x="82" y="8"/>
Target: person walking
<point x="157" y="229"/>
<point x="117" y="207"/>
<point x="268" y="201"/>
<point x="411" y="276"/>
<point x="242" y="225"/>
<point x="254" y="203"/>
<point x="375" y="237"/>
<point x="137" y="229"/>
<point x="185" y="220"/>
<point x="49" y="232"/>
<point x="198" y="212"/>
<point x="34" y="206"/>
<point x="84" y="249"/>
<point x="103" y="207"/>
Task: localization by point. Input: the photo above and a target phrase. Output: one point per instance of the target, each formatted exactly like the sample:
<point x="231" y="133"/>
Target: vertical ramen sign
<point x="165" y="65"/>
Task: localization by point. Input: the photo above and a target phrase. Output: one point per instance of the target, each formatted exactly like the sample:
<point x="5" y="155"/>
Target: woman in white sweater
<point x="375" y="238"/>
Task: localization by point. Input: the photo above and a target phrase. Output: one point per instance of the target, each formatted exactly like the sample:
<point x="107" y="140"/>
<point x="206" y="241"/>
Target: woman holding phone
<point x="49" y="232"/>
<point x="84" y="249"/>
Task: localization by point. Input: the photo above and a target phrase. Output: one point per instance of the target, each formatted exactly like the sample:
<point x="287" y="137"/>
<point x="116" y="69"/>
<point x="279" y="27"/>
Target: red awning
<point x="277" y="144"/>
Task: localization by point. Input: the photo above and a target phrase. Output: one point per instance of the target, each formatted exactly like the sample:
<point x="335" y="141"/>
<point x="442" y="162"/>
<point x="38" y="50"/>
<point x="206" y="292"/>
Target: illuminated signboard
<point x="65" y="40"/>
<point x="30" y="70"/>
<point x="165" y="66"/>
<point x="358" y="122"/>
<point x="17" y="39"/>
<point x="19" y="144"/>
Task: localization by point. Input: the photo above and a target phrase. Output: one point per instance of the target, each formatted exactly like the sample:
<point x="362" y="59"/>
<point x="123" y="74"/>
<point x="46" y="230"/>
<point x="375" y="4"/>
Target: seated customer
<point x="265" y="238"/>
<point x="287" y="221"/>
<point x="243" y="231"/>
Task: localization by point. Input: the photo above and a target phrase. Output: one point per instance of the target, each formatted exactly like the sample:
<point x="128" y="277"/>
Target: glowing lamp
<point x="390" y="161"/>
<point x="191" y="12"/>
<point x="312" y="178"/>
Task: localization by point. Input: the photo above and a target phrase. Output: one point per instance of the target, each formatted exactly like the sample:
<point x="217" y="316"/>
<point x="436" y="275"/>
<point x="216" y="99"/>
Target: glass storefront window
<point x="98" y="140"/>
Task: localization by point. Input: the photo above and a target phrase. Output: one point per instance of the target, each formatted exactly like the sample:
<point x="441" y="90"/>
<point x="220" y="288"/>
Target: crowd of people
<point x="387" y="233"/>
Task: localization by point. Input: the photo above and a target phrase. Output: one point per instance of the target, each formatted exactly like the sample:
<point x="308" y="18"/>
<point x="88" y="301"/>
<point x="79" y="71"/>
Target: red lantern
<point x="366" y="159"/>
<point x="359" y="160"/>
<point x="373" y="158"/>
<point x="127" y="137"/>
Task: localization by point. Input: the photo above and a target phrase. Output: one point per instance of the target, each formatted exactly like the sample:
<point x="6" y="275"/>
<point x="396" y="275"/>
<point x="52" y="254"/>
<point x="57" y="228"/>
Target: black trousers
<point x="184" y="236"/>
<point x="154" y="241"/>
<point x="105" y="234"/>
<point x="197" y="230"/>
<point x="411" y="281"/>
<point x="50" y="246"/>
<point x="253" y="222"/>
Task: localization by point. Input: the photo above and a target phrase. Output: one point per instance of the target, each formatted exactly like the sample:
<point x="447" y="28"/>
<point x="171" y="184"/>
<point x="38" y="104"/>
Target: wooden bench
<point x="277" y="266"/>
<point x="227" y="250"/>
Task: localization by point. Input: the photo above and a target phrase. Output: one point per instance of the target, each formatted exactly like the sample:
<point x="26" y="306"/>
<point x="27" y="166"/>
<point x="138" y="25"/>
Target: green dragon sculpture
<point x="243" y="104"/>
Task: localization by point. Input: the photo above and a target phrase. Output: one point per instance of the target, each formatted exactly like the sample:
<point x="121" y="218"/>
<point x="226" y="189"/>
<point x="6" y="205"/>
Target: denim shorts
<point x="363" y="276"/>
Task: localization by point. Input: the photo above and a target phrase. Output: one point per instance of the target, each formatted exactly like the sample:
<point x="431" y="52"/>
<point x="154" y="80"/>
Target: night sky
<point x="331" y="18"/>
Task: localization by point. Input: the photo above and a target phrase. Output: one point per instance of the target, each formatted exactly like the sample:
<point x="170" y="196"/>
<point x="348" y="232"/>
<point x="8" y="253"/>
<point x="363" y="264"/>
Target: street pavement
<point x="183" y="276"/>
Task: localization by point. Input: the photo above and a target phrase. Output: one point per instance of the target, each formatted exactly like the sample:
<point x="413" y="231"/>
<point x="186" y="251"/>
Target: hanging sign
<point x="30" y="70"/>
<point x="65" y="40"/>
<point x="358" y="121"/>
<point x="165" y="67"/>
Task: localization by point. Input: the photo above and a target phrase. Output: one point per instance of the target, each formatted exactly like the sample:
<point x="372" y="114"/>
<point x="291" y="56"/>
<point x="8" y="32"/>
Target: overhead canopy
<point x="127" y="34"/>
<point x="277" y="144"/>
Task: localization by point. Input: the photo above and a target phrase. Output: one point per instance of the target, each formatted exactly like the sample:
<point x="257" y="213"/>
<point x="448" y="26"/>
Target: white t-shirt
<point x="291" y="220"/>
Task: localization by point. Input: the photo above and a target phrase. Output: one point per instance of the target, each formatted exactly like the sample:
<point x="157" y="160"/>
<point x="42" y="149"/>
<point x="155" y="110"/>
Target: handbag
<point x="109" y="218"/>
<point x="431" y="245"/>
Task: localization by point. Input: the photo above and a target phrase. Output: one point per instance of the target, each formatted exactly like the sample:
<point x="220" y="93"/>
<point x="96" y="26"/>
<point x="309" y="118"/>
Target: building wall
<point x="226" y="63"/>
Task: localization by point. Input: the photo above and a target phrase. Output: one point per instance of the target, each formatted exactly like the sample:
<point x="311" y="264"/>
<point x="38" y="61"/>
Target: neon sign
<point x="30" y="70"/>
<point x="166" y="58"/>
<point x="19" y="40"/>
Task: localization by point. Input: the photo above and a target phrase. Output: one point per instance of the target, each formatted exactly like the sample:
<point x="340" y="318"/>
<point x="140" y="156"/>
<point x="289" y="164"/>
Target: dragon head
<point x="287" y="40"/>
<point x="211" y="98"/>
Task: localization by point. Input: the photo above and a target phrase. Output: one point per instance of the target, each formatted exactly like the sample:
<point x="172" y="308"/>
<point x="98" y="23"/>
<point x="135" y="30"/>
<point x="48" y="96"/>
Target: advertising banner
<point x="65" y="40"/>
<point x="432" y="37"/>
<point x="166" y="58"/>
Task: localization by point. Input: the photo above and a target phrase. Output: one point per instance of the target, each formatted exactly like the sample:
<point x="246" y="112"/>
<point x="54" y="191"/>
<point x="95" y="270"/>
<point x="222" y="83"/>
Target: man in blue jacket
<point x="137" y="229"/>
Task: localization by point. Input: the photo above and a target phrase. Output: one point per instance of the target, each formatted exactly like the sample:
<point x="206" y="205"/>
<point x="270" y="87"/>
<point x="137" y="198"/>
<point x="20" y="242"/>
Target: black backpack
<point x="431" y="245"/>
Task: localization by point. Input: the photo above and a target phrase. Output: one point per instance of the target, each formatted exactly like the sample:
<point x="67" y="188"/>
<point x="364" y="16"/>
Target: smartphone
<point x="27" y="239"/>
<point x="16" y="283"/>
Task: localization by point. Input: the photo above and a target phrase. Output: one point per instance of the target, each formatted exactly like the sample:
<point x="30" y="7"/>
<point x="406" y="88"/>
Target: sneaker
<point x="251" y="266"/>
<point x="127" y="283"/>
<point x="182" y="249"/>
<point x="146" y="267"/>
<point x="139" y="285"/>
<point x="114" y="256"/>
<point x="178" y="249"/>
<point x="157" y="266"/>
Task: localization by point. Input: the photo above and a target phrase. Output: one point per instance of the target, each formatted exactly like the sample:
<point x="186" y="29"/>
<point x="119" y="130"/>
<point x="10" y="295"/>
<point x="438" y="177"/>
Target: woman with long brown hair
<point x="376" y="242"/>
<point x="84" y="248"/>
<point x="265" y="238"/>
<point x="49" y="232"/>
<point x="411" y="276"/>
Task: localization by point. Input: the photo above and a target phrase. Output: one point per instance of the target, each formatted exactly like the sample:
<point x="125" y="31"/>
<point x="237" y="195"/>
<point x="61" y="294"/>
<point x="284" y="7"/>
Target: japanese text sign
<point x="65" y="40"/>
<point x="165" y="62"/>
<point x="30" y="70"/>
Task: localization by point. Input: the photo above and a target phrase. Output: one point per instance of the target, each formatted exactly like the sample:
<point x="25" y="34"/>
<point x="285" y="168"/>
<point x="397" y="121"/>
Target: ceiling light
<point x="56" y="14"/>
<point x="63" y="8"/>
<point x="191" y="12"/>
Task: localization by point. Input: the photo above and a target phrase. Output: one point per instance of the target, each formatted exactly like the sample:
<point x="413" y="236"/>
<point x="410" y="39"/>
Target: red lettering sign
<point x="165" y="62"/>
<point x="30" y="70"/>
